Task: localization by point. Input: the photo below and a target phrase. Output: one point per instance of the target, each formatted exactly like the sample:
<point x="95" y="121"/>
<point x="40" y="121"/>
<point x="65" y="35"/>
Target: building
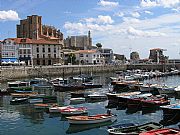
<point x="9" y="52"/>
<point x="32" y="28"/>
<point x="134" y="57"/>
<point x="31" y="51"/>
<point x="82" y="42"/>
<point x="107" y="54"/>
<point x="156" y="55"/>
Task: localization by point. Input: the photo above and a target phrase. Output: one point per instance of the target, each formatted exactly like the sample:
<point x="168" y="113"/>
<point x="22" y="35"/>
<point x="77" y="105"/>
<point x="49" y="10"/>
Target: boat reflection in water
<point x="76" y="128"/>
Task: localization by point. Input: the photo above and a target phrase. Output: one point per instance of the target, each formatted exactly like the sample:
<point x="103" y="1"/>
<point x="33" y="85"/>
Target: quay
<point x="17" y="72"/>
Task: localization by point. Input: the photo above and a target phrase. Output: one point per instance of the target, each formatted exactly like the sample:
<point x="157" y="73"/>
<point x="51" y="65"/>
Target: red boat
<point x="154" y="101"/>
<point x="165" y="131"/>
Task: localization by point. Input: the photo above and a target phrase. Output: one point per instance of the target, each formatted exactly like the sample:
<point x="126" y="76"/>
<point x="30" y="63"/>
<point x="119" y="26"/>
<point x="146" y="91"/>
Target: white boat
<point x="57" y="109"/>
<point x="35" y="100"/>
<point x="77" y="100"/>
<point x="74" y="111"/>
<point x="93" y="119"/>
<point x="97" y="96"/>
<point x="148" y="87"/>
<point x="177" y="90"/>
<point x="166" y="89"/>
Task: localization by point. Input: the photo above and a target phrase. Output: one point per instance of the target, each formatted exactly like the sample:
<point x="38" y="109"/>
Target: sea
<point x="24" y="119"/>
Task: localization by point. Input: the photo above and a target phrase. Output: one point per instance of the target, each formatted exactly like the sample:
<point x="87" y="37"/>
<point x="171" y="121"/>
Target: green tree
<point x="99" y="45"/>
<point x="71" y="58"/>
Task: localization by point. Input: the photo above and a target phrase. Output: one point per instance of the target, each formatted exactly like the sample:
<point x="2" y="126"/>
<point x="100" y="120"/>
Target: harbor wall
<point x="149" y="67"/>
<point x="46" y="71"/>
<point x="10" y="73"/>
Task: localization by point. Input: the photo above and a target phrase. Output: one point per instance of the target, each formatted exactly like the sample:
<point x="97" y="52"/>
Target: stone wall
<point x="47" y="71"/>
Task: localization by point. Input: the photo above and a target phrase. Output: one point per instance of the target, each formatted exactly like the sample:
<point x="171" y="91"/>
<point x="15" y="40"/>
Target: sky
<point x="123" y="25"/>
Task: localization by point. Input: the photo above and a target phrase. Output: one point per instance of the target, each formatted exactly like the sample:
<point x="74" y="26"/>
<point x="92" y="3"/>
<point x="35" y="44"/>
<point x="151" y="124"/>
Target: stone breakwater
<point x="9" y="73"/>
<point x="46" y="71"/>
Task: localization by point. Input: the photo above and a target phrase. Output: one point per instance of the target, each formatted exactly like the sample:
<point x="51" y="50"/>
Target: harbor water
<point x="27" y="120"/>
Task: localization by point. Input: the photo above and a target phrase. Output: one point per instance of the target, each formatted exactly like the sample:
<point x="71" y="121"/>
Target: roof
<point x="31" y="41"/>
<point x="86" y="51"/>
<point x="156" y="49"/>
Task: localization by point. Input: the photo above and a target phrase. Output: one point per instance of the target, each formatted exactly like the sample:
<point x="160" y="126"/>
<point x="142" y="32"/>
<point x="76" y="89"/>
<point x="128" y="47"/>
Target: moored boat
<point x="77" y="100"/>
<point x="164" y="131"/>
<point x="171" y="111"/>
<point x="135" y="130"/>
<point x="93" y="119"/>
<point x="74" y="111"/>
<point x="57" y="109"/>
<point x="19" y="100"/>
<point x="97" y="96"/>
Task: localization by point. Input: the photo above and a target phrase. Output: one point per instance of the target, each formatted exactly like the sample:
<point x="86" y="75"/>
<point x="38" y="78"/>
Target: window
<point x="80" y="55"/>
<point x="37" y="55"/>
<point x="20" y="51"/>
<point x="49" y="55"/>
<point x="54" y="55"/>
<point x="43" y="55"/>
<point x="49" y="62"/>
<point x="24" y="56"/>
<point x="29" y="51"/>
<point x="94" y="55"/>
<point x="37" y="49"/>
<point x="43" y="49"/>
<point x="38" y="62"/>
<point x="44" y="62"/>
<point x="86" y="55"/>
<point x="24" y="51"/>
<point x="54" y="50"/>
<point x="49" y="49"/>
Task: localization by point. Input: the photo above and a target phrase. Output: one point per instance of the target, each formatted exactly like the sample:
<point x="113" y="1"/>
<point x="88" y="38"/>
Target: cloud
<point x="140" y="33"/>
<point x="163" y="3"/>
<point x="119" y="14"/>
<point x="104" y="3"/>
<point x="148" y="12"/>
<point x="130" y="20"/>
<point x="135" y="14"/>
<point x="100" y="20"/>
<point x="9" y="15"/>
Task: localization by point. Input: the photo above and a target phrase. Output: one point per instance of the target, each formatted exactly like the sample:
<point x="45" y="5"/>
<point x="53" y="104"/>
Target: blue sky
<point x="123" y="25"/>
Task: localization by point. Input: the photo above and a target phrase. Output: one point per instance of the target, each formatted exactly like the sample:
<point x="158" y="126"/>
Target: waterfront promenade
<point x="17" y="72"/>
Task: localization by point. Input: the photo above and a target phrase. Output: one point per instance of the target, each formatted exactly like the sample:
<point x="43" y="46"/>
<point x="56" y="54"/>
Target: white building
<point x="31" y="51"/>
<point x="89" y="57"/>
<point x="9" y="51"/>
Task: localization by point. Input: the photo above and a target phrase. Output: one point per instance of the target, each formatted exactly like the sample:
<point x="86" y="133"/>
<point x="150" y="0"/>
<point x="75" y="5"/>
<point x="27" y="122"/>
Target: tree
<point x="99" y="45"/>
<point x="71" y="58"/>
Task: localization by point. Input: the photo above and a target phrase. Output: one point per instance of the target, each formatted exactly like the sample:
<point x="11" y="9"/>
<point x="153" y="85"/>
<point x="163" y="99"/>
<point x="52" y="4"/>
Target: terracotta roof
<point x="86" y="51"/>
<point x="156" y="49"/>
<point x="32" y="41"/>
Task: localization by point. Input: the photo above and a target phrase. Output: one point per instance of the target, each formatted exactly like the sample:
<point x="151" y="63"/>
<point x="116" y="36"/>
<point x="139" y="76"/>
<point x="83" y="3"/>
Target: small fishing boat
<point x="166" y="89"/>
<point x="97" y="96"/>
<point x="19" y="100"/>
<point x="135" y="130"/>
<point x="172" y="110"/>
<point x="77" y="100"/>
<point x="35" y="100"/>
<point x="93" y="119"/>
<point x="19" y="86"/>
<point x="164" y="131"/>
<point x="16" y="95"/>
<point x="124" y="125"/>
<point x="90" y="85"/>
<point x="152" y="88"/>
<point x="74" y="111"/>
<point x="154" y="101"/>
<point x="57" y="109"/>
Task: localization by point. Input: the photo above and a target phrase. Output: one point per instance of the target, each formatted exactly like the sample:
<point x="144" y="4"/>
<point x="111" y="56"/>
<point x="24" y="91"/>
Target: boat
<point x="97" y="96"/>
<point x="57" y="109"/>
<point x="19" y="100"/>
<point x="92" y="119"/>
<point x="16" y="95"/>
<point x="19" y="86"/>
<point x="75" y="128"/>
<point x="163" y="131"/>
<point x="35" y="100"/>
<point x="164" y="89"/>
<point x="41" y="106"/>
<point x="172" y="111"/>
<point x="151" y="88"/>
<point x="79" y="94"/>
<point x="77" y="100"/>
<point x="74" y="111"/>
<point x="122" y="125"/>
<point x="90" y="85"/>
<point x="177" y="90"/>
<point x="68" y="87"/>
<point x="135" y="130"/>
<point x="4" y="92"/>
<point x="135" y="100"/>
<point x="154" y="101"/>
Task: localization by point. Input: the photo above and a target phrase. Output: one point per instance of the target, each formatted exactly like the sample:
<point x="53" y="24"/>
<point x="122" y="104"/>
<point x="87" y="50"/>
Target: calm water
<point x="25" y="119"/>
